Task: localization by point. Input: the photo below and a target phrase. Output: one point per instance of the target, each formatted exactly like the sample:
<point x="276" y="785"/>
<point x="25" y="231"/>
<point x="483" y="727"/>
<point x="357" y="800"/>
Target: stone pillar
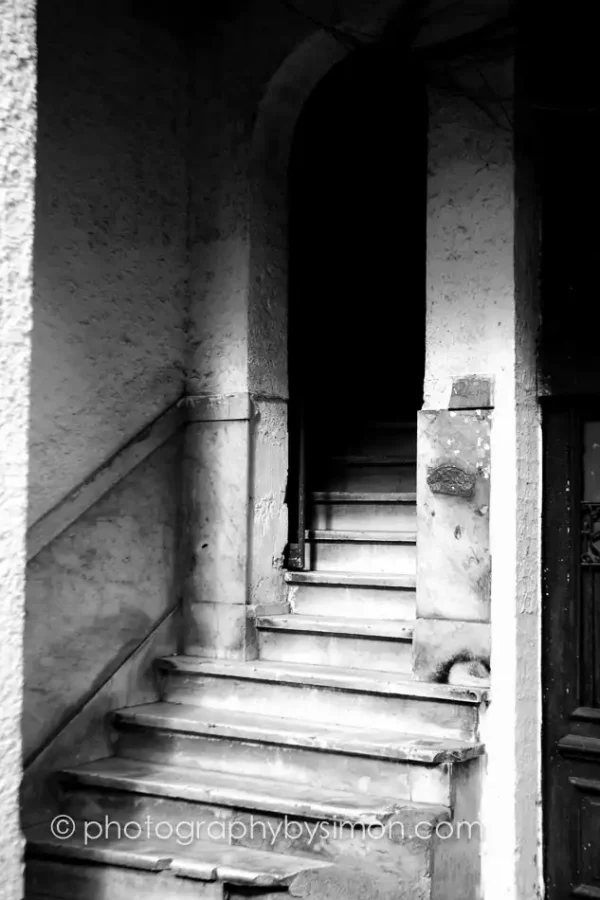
<point x="235" y="526"/>
<point x="482" y="318"/>
<point x="244" y="116"/>
<point x="216" y="509"/>
<point x="17" y="194"/>
<point x="219" y="408"/>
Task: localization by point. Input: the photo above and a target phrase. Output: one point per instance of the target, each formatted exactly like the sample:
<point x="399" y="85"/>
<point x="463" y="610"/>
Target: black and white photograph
<point x="299" y="450"/>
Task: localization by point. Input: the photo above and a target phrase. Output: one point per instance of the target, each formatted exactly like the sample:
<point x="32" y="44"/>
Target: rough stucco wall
<point x="98" y="590"/>
<point x="110" y="241"/>
<point x="17" y="130"/>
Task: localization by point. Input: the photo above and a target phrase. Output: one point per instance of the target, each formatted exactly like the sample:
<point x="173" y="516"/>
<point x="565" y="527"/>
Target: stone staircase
<point x="320" y="769"/>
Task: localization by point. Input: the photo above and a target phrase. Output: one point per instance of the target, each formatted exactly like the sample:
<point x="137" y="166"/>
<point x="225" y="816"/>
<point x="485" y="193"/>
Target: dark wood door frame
<point x="570" y="661"/>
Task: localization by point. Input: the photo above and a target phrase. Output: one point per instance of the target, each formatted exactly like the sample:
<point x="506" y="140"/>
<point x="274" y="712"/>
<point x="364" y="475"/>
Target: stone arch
<point x="270" y="153"/>
<point x="273" y="134"/>
<point x="274" y="129"/>
<point x="277" y="116"/>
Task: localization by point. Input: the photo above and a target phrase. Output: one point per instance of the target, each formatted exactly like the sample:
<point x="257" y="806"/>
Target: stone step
<point x="214" y="790"/>
<point x="366" y="474"/>
<point x="358" y="595"/>
<point x="389" y="552"/>
<point x="105" y="865"/>
<point x="384" y="645"/>
<point x="377" y="762"/>
<point x="324" y="694"/>
<point x="363" y="511"/>
<point x="362" y="537"/>
<point x="353" y="579"/>
<point x="262" y="813"/>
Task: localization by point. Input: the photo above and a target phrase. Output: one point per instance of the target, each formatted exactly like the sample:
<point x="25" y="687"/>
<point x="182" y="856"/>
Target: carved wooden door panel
<point x="571" y="650"/>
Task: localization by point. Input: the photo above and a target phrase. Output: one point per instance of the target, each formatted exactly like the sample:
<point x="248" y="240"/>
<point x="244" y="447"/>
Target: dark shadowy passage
<point x="357" y="245"/>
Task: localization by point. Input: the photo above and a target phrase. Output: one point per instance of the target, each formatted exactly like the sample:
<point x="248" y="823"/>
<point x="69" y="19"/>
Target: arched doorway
<point x="357" y="245"/>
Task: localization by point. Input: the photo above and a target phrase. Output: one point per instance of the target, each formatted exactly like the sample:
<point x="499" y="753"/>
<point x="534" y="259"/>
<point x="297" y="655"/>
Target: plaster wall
<point x="97" y="591"/>
<point x="110" y="256"/>
<point x="17" y="167"/>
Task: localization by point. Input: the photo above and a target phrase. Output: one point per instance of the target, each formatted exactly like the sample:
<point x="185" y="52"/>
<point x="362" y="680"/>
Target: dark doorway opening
<point x="357" y="245"/>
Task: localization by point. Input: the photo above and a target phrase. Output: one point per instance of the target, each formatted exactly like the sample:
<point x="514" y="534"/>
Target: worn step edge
<point x="353" y="579"/>
<point x="243" y="792"/>
<point x="399" y="498"/>
<point x="363" y="681"/>
<point x="371" y="629"/>
<point x="204" y="861"/>
<point x="363" y="537"/>
<point x="353" y="741"/>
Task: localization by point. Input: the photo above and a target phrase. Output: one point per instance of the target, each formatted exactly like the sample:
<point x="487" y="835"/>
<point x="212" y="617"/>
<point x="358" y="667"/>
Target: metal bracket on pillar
<point x="296" y="556"/>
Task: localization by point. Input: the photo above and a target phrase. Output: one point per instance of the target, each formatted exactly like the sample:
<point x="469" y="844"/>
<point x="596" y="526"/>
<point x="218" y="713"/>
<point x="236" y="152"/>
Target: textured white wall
<point x="110" y="240"/>
<point x="17" y="129"/>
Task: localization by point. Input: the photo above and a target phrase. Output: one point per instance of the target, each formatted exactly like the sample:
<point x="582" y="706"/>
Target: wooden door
<point x="571" y="649"/>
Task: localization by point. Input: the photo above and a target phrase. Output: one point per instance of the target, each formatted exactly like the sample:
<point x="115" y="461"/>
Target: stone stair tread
<point x="364" y="497"/>
<point x="245" y="792"/>
<point x="398" y="629"/>
<point x="371" y="537"/>
<point x="352" y="579"/>
<point x="380" y="743"/>
<point x="360" y="680"/>
<point x="201" y="860"/>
